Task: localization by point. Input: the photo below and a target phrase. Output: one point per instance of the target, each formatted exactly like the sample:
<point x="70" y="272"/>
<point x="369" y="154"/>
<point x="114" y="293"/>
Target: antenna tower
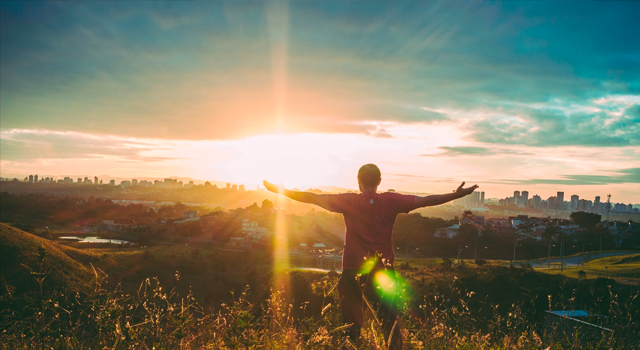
<point x="608" y="206"/>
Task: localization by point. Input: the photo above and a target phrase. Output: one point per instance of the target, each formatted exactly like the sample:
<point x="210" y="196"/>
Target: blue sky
<point x="512" y="85"/>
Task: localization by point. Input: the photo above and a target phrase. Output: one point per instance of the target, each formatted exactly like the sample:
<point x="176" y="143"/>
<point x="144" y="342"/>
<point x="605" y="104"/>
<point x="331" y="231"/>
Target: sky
<point x="537" y="96"/>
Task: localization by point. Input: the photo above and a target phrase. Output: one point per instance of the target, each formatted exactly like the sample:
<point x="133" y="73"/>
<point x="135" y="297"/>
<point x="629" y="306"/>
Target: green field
<point x="622" y="268"/>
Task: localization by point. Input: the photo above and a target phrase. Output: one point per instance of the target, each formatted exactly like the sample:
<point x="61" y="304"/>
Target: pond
<point x="95" y="240"/>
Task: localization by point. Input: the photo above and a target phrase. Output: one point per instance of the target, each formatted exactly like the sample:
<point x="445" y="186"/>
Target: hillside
<point x="18" y="247"/>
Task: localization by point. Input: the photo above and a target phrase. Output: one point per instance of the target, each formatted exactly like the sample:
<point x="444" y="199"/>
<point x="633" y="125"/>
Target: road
<point x="577" y="260"/>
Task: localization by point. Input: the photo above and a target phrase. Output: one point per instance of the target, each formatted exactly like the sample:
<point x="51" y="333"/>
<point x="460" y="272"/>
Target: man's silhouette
<point x="368" y="250"/>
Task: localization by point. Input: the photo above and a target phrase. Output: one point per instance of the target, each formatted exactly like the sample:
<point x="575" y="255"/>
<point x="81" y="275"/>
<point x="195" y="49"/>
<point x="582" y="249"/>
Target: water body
<point x="95" y="240"/>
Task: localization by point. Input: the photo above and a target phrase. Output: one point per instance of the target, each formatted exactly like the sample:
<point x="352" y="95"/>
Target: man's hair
<point x="369" y="175"/>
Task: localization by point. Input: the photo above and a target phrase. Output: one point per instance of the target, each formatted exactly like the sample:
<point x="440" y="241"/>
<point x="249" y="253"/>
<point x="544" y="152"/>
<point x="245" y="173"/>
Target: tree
<point x="549" y="232"/>
<point x="468" y="231"/>
<point x="585" y="220"/>
<point x="267" y="206"/>
<point x="486" y="230"/>
<point x="410" y="229"/>
<point x="468" y="214"/>
<point x="603" y="235"/>
<point x="582" y="274"/>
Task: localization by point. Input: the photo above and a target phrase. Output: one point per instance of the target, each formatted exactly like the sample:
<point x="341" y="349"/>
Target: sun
<point x="301" y="161"/>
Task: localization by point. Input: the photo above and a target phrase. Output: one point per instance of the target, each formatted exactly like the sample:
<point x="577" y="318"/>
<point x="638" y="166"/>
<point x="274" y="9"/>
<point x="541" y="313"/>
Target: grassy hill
<point x="189" y="304"/>
<point x="622" y="268"/>
<point x="18" y="247"/>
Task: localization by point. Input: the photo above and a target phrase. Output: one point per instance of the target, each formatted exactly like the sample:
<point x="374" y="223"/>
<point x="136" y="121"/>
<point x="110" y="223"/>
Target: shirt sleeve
<point x="338" y="203"/>
<point x="403" y="203"/>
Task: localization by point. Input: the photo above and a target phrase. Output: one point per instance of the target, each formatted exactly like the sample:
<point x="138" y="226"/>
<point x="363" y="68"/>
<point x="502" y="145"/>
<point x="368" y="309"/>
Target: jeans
<point x="353" y="289"/>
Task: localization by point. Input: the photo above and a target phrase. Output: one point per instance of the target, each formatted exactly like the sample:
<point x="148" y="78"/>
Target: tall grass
<point x="158" y="317"/>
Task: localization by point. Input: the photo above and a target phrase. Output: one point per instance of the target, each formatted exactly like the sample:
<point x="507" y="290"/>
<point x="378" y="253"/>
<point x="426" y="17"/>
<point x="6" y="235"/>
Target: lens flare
<point x="281" y="249"/>
<point x="390" y="286"/>
<point x="278" y="22"/>
<point x="368" y="265"/>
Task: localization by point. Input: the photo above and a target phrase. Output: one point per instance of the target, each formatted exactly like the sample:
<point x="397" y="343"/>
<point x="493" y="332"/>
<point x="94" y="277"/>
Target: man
<point x="369" y="217"/>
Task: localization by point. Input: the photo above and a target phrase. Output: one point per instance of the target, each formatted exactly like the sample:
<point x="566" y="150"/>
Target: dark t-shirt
<point x="369" y="218"/>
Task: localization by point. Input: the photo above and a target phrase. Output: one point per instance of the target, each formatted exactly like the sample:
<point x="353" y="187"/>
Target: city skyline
<point x="478" y="199"/>
<point x="507" y="95"/>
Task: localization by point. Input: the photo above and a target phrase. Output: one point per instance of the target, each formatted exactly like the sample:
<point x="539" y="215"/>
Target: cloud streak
<point x="624" y="176"/>
<point x="474" y="151"/>
<point x="25" y="145"/>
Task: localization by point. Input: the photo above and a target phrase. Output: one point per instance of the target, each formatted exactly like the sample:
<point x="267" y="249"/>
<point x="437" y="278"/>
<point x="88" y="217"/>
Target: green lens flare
<point x="390" y="286"/>
<point x="368" y="265"/>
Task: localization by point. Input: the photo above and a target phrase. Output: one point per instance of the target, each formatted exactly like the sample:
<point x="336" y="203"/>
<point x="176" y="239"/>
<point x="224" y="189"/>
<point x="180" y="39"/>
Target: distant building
<point x="560" y="203"/>
<point x="574" y="201"/>
<point x="524" y="198"/>
<point x="240" y="242"/>
<point x="447" y="232"/>
<point x="252" y="230"/>
<point x="190" y="214"/>
<point x="112" y="182"/>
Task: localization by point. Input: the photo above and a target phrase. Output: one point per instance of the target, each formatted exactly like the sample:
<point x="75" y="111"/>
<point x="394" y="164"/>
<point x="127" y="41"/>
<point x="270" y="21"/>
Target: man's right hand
<point x="273" y="187"/>
<point x="465" y="191"/>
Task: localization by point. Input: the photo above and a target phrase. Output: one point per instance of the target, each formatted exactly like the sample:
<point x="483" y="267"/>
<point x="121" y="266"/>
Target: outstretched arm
<point x="304" y="197"/>
<point x="438" y="199"/>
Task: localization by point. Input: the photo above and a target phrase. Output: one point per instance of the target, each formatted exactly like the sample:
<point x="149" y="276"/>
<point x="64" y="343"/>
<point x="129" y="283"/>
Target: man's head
<point x="369" y="177"/>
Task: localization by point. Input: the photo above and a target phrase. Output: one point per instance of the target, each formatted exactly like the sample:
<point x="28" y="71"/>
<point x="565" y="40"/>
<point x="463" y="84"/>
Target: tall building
<point x="95" y="180"/>
<point x="524" y="198"/>
<point x="560" y="200"/>
<point x="112" y="182"/>
<point x="481" y="198"/>
<point x="30" y="179"/>
<point x="35" y="179"/>
<point x="596" y="204"/>
<point x="536" y="201"/>
<point x="574" y="201"/>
